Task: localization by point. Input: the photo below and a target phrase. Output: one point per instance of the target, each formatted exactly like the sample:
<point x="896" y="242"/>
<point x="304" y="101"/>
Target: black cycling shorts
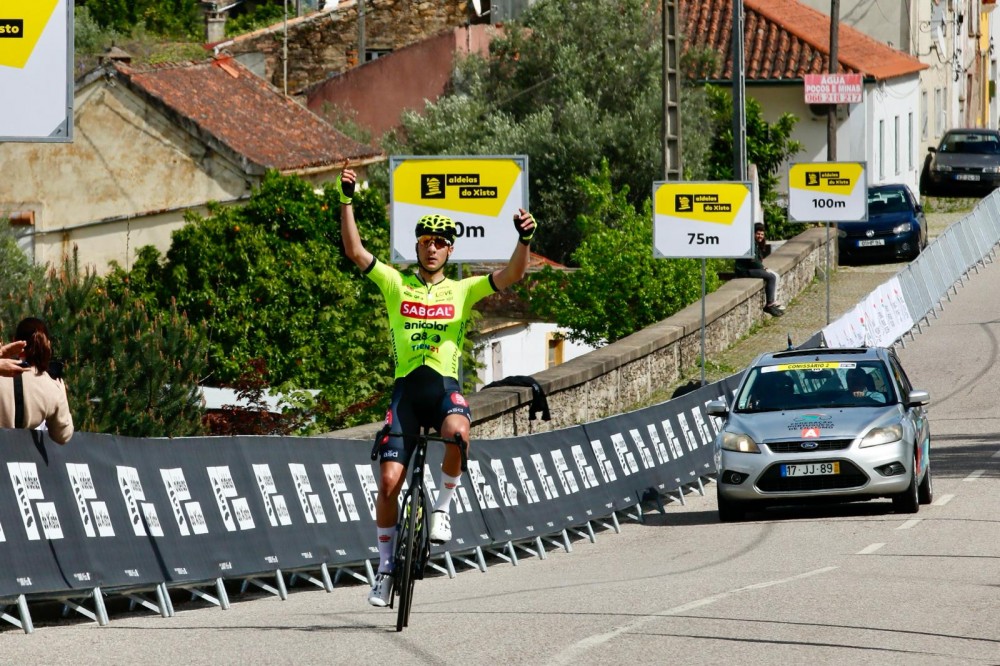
<point x="422" y="399"/>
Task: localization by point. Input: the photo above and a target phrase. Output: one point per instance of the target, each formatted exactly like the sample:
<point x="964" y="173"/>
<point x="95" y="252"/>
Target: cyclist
<point x="427" y="314"/>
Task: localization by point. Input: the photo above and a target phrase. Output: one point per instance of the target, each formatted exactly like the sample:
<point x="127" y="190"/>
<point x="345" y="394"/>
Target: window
<point x="895" y="145"/>
<point x="881" y="150"/>
<point x="554" y="356"/>
<point x="938" y="112"/>
<point x="923" y="116"/>
<point x="910" y="138"/>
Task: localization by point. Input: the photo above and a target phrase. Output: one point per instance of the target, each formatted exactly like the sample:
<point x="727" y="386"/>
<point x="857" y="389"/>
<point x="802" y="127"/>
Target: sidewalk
<point x="806" y="314"/>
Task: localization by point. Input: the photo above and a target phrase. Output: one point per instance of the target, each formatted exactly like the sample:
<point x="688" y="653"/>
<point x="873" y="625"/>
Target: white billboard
<point x="36" y="70"/>
<point x="481" y="193"/>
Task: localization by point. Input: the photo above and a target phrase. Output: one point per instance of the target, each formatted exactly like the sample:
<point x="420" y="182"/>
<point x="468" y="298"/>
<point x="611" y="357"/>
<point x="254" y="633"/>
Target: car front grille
<point x="863" y="233"/>
<point x="850" y="476"/>
<point x="798" y="446"/>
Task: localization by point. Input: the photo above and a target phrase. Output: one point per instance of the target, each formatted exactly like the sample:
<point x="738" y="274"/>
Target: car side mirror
<point x="717" y="408"/>
<point x="918" y="208"/>
<point x="917" y="398"/>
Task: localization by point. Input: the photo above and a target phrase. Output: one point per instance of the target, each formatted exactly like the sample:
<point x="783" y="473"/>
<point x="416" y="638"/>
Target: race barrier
<point x="107" y="515"/>
<point x="907" y="300"/>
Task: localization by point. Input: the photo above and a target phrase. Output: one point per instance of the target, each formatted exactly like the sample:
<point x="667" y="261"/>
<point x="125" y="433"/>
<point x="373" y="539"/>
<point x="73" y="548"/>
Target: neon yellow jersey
<point x="427" y="321"/>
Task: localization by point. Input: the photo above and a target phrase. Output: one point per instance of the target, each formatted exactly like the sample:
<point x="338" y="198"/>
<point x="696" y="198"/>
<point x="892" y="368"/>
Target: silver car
<point x="830" y="425"/>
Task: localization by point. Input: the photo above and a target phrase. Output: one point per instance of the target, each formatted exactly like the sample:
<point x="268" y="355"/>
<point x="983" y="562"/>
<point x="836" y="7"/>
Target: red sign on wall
<point x="833" y="88"/>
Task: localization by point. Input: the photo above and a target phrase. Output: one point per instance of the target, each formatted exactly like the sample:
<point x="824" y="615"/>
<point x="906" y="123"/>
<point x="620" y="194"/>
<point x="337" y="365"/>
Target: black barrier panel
<point x="468" y="529"/>
<point x="118" y="512"/>
<point x="537" y="485"/>
<point x="99" y="548"/>
<point x="29" y="517"/>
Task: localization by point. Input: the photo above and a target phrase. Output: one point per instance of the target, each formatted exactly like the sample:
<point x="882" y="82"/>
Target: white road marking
<point x="868" y="550"/>
<point x="912" y="522"/>
<point x="997" y="454"/>
<point x="975" y="475"/>
<point x="944" y="499"/>
<point x="573" y="653"/>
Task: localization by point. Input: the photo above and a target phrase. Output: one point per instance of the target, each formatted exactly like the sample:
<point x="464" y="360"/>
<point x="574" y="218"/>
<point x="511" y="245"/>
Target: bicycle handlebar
<point x="427" y="437"/>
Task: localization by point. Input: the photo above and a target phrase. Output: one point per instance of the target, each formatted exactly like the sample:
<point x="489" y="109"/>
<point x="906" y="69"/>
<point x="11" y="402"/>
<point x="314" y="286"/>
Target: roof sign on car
<point x="814" y="365"/>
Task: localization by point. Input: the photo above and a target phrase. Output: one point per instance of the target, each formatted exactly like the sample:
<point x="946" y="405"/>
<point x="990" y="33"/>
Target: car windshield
<point x="816" y="385"/>
<point x="981" y="144"/>
<point x="887" y="201"/>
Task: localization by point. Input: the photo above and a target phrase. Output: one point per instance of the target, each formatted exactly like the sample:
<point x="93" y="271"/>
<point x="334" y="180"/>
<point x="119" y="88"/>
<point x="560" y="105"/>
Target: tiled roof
<point x="784" y="39"/>
<point x="225" y="103"/>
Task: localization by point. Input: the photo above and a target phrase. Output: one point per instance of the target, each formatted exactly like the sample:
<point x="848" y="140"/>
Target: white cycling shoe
<point x="440" y="527"/>
<point x="381" y="592"/>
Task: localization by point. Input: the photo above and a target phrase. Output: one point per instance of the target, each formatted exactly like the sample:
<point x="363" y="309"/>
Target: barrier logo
<point x="20" y="28"/>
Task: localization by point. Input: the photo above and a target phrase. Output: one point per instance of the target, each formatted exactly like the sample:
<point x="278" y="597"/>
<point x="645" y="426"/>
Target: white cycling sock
<point x="386" y="548"/>
<point x="446" y="492"/>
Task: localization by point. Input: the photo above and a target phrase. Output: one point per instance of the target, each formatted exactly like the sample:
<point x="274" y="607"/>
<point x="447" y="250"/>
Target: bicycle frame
<point x="412" y="528"/>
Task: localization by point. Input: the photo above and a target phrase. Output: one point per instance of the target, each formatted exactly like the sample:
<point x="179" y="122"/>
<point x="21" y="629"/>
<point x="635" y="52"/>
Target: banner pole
<point x="703" y="321"/>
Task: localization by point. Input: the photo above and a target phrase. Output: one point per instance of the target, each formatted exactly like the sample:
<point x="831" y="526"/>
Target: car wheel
<point x="730" y="511"/>
<point x="908" y="501"/>
<point x="925" y="492"/>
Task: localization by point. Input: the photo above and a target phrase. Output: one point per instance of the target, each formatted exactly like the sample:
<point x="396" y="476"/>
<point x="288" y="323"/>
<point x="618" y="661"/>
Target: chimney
<point x="215" y="27"/>
<point x="115" y="54"/>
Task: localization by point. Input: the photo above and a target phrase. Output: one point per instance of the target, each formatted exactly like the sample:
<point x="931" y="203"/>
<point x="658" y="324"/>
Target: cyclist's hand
<point x="345" y="186"/>
<point x="525" y="225"/>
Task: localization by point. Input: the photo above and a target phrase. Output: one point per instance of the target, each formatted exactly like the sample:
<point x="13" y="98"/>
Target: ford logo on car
<point x="809" y="446"/>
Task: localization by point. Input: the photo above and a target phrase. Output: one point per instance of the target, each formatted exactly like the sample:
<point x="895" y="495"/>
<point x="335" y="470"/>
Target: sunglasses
<point x="437" y="242"/>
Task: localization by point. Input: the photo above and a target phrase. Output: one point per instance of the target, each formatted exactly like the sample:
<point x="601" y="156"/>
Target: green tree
<point x="16" y="270"/>
<point x="269" y="281"/>
<point x="619" y="288"/>
<point x="169" y="18"/>
<point x="573" y="83"/>
<point x="128" y="371"/>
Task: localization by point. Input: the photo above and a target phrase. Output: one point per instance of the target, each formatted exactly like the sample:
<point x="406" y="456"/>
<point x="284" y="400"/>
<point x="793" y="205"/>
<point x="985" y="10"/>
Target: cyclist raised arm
<point x="428" y="314"/>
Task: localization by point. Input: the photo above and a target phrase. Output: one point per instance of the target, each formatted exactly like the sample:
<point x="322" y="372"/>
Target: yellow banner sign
<point x="21" y="24"/>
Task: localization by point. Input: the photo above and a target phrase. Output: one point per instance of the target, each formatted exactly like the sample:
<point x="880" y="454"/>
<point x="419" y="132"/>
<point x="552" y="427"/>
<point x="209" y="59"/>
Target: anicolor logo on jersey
<point x="422" y="311"/>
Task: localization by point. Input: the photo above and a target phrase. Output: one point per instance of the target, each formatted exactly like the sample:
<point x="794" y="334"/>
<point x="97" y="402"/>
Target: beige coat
<point x="44" y="401"/>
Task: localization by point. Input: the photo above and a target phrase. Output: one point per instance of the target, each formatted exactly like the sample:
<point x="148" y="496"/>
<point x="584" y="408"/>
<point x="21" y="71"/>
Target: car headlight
<point x="737" y="441"/>
<point x="841" y="233"/>
<point x="991" y="169"/>
<point x="902" y="228"/>
<point x="941" y="167"/>
<point x="880" y="436"/>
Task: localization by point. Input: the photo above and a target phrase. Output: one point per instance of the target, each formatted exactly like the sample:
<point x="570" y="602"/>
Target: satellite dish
<point x="937" y="28"/>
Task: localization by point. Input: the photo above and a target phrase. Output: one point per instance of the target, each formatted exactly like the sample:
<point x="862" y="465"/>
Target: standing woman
<point x="35" y="397"/>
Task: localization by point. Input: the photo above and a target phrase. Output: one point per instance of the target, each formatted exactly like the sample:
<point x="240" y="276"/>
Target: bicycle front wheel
<point x="408" y="555"/>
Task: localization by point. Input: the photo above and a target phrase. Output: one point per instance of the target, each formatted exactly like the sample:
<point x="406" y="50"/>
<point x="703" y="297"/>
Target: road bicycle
<point x="413" y="547"/>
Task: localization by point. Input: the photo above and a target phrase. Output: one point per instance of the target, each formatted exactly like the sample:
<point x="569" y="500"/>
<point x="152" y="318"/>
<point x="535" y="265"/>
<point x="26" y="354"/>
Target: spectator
<point x="42" y="392"/>
<point x="754" y="267"/>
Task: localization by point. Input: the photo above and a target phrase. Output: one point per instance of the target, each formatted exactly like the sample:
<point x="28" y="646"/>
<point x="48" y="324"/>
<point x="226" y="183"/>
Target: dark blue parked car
<point x="896" y="229"/>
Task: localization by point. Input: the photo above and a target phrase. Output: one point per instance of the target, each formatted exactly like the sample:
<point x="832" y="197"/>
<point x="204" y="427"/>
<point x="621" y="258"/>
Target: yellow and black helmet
<point x="437" y="225"/>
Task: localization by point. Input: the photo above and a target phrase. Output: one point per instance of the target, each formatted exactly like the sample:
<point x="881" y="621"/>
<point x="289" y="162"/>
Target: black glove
<point x="346" y="190"/>
<point x="525" y="235"/>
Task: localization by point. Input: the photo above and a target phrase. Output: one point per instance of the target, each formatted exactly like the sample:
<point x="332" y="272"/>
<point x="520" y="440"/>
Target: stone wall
<point x="326" y="43"/>
<point x="627" y="372"/>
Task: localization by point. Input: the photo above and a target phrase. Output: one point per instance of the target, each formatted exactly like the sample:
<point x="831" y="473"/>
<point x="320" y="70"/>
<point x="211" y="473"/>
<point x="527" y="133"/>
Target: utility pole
<point x="831" y="128"/>
<point x="671" y="136"/>
<point x="284" y="53"/>
<point x="831" y="118"/>
<point x="739" y="95"/>
<point x="361" y="32"/>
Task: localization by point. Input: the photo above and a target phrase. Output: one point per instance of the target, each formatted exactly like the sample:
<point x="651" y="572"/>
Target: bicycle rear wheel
<point x="408" y="557"/>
